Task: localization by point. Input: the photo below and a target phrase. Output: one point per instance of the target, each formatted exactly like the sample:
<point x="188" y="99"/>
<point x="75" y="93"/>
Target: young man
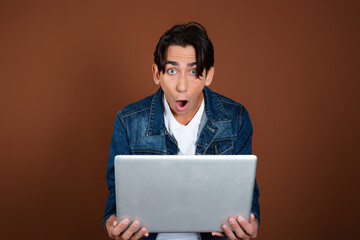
<point x="183" y="117"/>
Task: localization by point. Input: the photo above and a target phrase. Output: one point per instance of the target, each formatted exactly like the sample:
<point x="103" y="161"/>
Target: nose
<point x="181" y="85"/>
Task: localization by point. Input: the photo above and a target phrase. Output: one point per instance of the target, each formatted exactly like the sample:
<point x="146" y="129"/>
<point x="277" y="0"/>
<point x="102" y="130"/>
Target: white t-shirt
<point x="186" y="137"/>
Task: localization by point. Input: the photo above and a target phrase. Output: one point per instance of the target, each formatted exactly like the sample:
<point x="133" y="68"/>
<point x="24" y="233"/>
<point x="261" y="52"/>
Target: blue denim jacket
<point x="139" y="128"/>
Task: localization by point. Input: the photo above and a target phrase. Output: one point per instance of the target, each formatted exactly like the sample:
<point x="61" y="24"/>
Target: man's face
<point x="181" y="86"/>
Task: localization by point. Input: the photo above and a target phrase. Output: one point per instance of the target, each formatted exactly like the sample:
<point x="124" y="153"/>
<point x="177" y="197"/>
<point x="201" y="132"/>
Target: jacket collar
<point x="156" y="119"/>
<point x="213" y="107"/>
<point x="214" y="110"/>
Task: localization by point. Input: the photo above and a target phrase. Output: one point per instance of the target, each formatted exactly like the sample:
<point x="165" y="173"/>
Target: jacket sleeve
<point x="243" y="146"/>
<point x="119" y="146"/>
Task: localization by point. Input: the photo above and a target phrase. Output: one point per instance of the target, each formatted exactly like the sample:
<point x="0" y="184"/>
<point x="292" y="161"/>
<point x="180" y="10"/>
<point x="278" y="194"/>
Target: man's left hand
<point x="241" y="229"/>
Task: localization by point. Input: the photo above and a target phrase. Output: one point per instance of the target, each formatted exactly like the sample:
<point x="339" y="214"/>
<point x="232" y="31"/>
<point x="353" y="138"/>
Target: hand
<point x="115" y="230"/>
<point x="242" y="228"/>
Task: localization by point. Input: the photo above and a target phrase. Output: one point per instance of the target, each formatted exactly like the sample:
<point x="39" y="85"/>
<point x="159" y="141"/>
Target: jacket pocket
<point x="219" y="147"/>
<point x="146" y="152"/>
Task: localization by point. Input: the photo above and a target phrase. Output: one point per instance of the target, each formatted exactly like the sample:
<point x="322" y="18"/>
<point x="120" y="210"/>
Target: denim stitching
<point x="124" y="116"/>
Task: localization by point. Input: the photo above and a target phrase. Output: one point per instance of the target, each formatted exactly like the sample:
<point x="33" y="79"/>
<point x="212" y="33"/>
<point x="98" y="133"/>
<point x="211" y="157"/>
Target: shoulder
<point x="136" y="107"/>
<point x="225" y="100"/>
<point x="235" y="111"/>
<point x="230" y="106"/>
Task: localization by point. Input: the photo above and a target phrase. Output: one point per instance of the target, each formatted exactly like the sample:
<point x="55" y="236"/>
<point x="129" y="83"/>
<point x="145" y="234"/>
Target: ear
<point x="209" y="76"/>
<point x="156" y="74"/>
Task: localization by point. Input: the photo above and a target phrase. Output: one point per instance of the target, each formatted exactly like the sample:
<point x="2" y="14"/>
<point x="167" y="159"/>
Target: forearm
<point x="243" y="143"/>
<point x="119" y="146"/>
<point x="110" y="207"/>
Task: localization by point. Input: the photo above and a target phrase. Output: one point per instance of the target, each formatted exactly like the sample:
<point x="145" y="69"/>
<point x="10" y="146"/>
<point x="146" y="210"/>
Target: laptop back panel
<point x="177" y="193"/>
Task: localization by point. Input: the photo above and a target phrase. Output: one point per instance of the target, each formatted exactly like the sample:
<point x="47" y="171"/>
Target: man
<point x="183" y="117"/>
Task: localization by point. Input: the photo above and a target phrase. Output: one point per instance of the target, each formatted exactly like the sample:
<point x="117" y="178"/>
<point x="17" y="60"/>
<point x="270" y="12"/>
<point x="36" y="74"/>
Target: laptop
<point x="184" y="193"/>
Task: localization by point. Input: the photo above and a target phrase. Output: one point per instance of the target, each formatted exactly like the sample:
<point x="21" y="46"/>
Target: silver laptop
<point x="184" y="193"/>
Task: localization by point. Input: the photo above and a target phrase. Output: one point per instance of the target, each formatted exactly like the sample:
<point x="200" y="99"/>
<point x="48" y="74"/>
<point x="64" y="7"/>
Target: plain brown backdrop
<point x="67" y="67"/>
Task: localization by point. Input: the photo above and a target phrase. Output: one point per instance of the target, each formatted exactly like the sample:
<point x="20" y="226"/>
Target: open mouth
<point x="181" y="104"/>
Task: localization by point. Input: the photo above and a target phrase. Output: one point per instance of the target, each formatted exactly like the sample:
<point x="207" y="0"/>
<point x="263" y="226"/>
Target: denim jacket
<point x="139" y="128"/>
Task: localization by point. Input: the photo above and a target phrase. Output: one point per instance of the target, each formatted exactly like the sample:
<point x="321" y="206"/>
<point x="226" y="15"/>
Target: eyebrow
<point x="177" y="64"/>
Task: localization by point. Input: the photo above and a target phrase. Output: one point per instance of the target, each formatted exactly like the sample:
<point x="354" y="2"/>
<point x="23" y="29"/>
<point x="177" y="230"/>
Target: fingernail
<point x="136" y="224"/>
<point x="232" y="221"/>
<point x="240" y="219"/>
<point x="126" y="221"/>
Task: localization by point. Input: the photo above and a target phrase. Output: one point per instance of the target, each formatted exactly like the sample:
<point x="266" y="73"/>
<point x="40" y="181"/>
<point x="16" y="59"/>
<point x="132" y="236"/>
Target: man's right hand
<point x="116" y="231"/>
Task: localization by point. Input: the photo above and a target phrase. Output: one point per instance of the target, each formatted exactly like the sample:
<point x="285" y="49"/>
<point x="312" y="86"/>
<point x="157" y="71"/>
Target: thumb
<point x="253" y="219"/>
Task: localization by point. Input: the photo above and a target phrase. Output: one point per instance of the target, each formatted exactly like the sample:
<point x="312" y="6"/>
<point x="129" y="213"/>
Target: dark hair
<point x="193" y="34"/>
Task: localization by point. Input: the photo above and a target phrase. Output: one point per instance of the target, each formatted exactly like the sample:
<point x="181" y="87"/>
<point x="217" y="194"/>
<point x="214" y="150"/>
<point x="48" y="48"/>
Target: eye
<point x="171" y="71"/>
<point x="193" y="72"/>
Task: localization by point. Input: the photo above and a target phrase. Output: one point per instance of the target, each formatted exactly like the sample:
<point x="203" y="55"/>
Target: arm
<point x="119" y="146"/>
<point x="243" y="142"/>
<point x="241" y="229"/>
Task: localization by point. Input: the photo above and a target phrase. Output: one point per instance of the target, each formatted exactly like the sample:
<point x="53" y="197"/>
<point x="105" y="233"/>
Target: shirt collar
<point x="214" y="110"/>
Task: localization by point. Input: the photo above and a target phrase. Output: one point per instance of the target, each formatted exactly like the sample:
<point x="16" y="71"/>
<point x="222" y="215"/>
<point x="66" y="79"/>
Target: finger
<point x="130" y="231"/>
<point x="228" y="232"/>
<point x="238" y="230"/>
<point x="118" y="228"/>
<point x="219" y="234"/>
<point x="246" y="226"/>
<point x="140" y="234"/>
<point x="254" y="222"/>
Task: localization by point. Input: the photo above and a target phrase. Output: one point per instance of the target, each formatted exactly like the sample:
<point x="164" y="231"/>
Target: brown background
<point x="67" y="67"/>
